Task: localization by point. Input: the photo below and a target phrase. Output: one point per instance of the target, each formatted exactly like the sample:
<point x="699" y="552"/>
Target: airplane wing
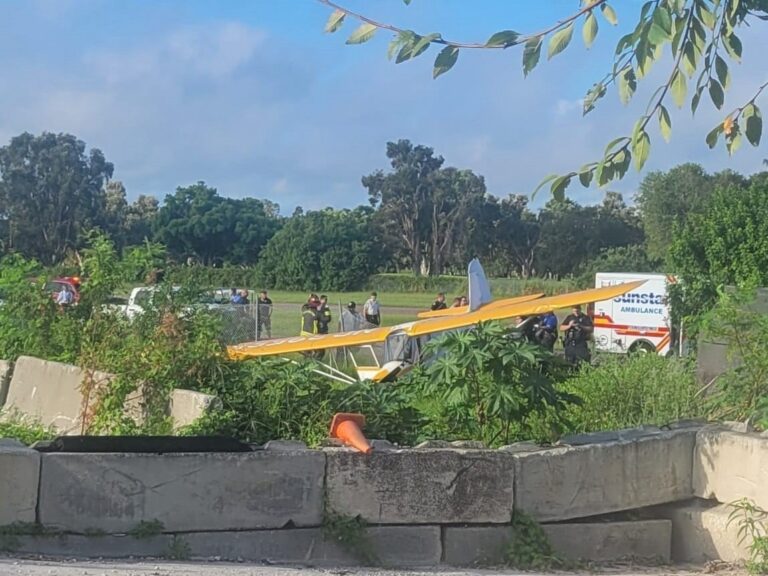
<point x="490" y="306"/>
<point x="280" y="346"/>
<point x="533" y="307"/>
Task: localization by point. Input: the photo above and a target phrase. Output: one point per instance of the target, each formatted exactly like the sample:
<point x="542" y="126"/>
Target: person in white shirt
<point x="371" y="310"/>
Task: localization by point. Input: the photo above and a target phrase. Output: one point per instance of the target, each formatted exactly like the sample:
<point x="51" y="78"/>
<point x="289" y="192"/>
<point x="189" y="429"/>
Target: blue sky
<point x="252" y="97"/>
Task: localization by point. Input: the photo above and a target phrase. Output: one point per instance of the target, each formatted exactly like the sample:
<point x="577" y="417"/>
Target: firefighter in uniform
<point x="323" y="315"/>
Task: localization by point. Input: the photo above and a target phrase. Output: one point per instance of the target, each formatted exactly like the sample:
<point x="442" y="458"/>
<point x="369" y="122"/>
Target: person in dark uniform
<point x="546" y="330"/>
<point x="439" y="303"/>
<point x="323" y="315"/>
<point x="577" y="328"/>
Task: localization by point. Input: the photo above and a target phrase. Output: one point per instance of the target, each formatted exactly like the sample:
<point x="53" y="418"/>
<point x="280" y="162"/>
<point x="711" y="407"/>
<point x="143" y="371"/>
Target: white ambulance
<point x="639" y="320"/>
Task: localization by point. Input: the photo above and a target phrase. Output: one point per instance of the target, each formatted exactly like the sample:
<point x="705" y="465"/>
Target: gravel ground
<point x="19" y="567"/>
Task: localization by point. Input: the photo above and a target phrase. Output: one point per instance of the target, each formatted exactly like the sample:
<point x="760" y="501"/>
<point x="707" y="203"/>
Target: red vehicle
<point x="55" y="286"/>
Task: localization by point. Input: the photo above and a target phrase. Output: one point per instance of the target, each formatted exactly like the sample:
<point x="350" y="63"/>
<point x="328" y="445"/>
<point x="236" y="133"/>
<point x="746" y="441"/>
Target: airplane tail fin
<point x="479" y="289"/>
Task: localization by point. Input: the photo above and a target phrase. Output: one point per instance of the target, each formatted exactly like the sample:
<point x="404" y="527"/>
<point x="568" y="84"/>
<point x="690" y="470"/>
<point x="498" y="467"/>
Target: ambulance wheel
<point x="642" y="347"/>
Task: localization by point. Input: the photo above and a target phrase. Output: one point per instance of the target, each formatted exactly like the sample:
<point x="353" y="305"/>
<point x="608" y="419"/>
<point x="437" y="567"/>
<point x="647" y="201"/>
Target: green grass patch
<point x="25" y="433"/>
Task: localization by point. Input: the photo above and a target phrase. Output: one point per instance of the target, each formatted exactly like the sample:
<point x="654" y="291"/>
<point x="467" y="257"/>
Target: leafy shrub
<point x="483" y="384"/>
<point x="627" y="391"/>
<point x="25" y="432"/>
<point x="741" y="392"/>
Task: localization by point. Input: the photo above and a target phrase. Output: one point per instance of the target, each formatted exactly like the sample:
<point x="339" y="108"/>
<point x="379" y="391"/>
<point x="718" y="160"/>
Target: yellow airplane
<point x="402" y="344"/>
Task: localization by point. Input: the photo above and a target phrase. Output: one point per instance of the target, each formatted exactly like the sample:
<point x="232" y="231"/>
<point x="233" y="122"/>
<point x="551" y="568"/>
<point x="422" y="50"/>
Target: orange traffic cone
<point x="348" y="429"/>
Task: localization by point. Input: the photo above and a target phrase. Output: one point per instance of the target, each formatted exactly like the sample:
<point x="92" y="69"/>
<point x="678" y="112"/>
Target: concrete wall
<point x="6" y="369"/>
<point x="50" y="393"/>
<point x="424" y="506"/>
<point x="730" y="465"/>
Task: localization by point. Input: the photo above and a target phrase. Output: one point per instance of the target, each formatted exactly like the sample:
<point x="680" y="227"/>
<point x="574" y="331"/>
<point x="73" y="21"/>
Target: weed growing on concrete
<point x="351" y="534"/>
<point x="9" y="534"/>
<point x="529" y="548"/>
<point x="147" y="529"/>
<point x="178" y="549"/>
<point x="94" y="532"/>
<point x="753" y="524"/>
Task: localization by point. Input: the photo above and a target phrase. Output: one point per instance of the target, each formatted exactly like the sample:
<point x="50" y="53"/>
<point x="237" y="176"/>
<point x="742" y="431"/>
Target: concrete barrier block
<point x="186" y="406"/>
<point x="79" y="546"/>
<point x="49" y="393"/>
<point x="389" y="546"/>
<point x="186" y="492"/>
<point x="646" y="540"/>
<point x="6" y="370"/>
<point x="701" y="533"/>
<point x="19" y="481"/>
<point x="581" y="481"/>
<point x="728" y="466"/>
<point x="596" y="542"/>
<point x="421" y="486"/>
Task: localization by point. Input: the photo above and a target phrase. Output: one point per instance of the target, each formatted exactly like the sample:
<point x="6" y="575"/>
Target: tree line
<point x="422" y="216"/>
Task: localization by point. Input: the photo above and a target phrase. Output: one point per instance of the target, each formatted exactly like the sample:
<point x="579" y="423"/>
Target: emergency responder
<point x="577" y="328"/>
<point x="546" y="330"/>
<point x="323" y="315"/>
<point x="308" y="320"/>
<point x="264" y="315"/>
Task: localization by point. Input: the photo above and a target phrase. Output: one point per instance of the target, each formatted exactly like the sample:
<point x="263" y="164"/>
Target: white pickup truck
<point x="141" y="297"/>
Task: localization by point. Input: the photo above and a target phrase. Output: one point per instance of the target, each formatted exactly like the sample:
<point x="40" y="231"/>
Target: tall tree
<point x="726" y="244"/>
<point x="197" y="222"/>
<point x="667" y="200"/>
<point x="404" y="196"/>
<point x="322" y="250"/>
<point x="50" y="192"/>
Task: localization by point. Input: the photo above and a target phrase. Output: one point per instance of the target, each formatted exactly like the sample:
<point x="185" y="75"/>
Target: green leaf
<point x="679" y="88"/>
<point x="445" y="60"/>
<point x="585" y="177"/>
<point x="335" y="20"/>
<point x="558" y="187"/>
<point x="690" y="59"/>
<point x="559" y="41"/>
<point x="696" y="98"/>
<point x="543" y="183"/>
<point x="504" y="38"/>
<point x="707" y="17"/>
<point x="423" y="44"/>
<point x="722" y="72"/>
<point x="753" y="128"/>
<point x="680" y="25"/>
<point x="363" y="33"/>
<point x="641" y="146"/>
<point x="624" y="42"/>
<point x="663" y="19"/>
<point x="665" y="123"/>
<point x="734" y="143"/>
<point x="531" y="54"/>
<point x="612" y="144"/>
<point x="713" y="135"/>
<point x="589" y="31"/>
<point x="593" y="95"/>
<point x="406" y="2"/>
<point x="716" y="93"/>
<point x="609" y="14"/>
<point x="733" y="46"/>
<point x="657" y="36"/>
<point x="627" y="85"/>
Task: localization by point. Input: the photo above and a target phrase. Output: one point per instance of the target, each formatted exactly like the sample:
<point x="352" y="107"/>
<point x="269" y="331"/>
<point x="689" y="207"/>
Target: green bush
<point x="627" y="391"/>
<point x="25" y="432"/>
